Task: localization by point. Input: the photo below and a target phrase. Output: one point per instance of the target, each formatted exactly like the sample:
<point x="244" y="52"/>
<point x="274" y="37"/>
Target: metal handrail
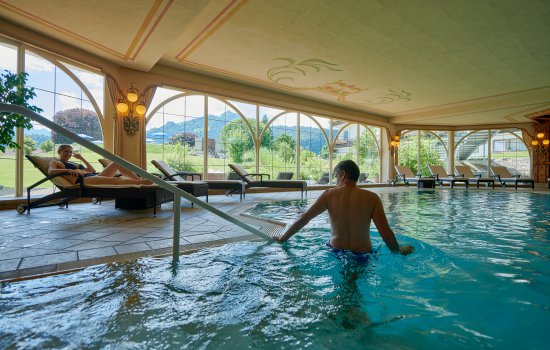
<point x="178" y="193"/>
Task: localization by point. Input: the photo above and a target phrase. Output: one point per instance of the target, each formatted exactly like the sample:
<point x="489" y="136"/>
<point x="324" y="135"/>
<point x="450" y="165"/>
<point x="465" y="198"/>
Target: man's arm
<point x="317" y="208"/>
<point x="381" y="222"/>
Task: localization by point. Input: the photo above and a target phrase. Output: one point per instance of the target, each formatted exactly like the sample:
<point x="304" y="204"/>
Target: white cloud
<point x="68" y="100"/>
<point x="37" y="64"/>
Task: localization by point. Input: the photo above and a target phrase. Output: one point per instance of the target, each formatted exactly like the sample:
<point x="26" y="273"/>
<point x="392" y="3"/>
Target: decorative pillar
<point x="541" y="160"/>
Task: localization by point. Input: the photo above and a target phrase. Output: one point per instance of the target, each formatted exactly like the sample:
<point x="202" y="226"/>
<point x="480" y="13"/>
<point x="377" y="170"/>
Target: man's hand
<point x="406" y="249"/>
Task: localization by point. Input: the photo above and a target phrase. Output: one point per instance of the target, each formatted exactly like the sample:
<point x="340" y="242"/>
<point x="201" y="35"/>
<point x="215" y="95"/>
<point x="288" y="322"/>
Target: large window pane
<point x="314" y="154"/>
<point x="508" y="150"/>
<point x="278" y="145"/>
<point x="175" y="133"/>
<point x="64" y="102"/>
<point x="223" y="123"/>
<point x="369" y="153"/>
<point x="471" y="149"/>
<point x="8" y="61"/>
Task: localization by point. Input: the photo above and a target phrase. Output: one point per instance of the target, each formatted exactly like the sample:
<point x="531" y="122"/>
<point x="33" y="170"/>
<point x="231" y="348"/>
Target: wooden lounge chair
<point x="248" y="178"/>
<point x="194" y="188"/>
<point x="465" y="171"/>
<point x="126" y="196"/>
<point x="406" y="174"/>
<point x="231" y="186"/>
<point x="441" y="176"/>
<point x="502" y="175"/>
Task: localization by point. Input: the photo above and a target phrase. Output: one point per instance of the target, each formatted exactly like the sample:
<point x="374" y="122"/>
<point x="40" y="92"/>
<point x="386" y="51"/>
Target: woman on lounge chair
<point x="89" y="175"/>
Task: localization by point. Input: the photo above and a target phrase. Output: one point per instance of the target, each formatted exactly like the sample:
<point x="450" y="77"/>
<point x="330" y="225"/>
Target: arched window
<point x="175" y="131"/>
<point x="314" y="149"/>
<point x="70" y="96"/>
<point x="278" y="143"/>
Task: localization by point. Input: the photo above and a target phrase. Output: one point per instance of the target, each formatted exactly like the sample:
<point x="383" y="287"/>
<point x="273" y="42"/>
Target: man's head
<point x="348" y="167"/>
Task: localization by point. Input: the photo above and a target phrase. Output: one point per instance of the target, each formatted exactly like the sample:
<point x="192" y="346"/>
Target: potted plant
<point x="13" y="91"/>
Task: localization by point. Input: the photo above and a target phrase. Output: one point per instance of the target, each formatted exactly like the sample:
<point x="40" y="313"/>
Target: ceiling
<point x="463" y="62"/>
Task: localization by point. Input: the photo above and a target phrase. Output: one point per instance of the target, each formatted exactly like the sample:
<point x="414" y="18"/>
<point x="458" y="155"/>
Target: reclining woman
<point x="89" y="175"/>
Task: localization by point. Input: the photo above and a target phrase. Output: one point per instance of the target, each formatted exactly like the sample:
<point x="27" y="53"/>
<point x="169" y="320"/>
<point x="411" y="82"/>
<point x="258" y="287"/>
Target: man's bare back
<point x="351" y="210"/>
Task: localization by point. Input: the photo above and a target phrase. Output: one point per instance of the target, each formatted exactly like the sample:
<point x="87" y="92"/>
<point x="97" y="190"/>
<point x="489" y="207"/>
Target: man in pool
<point x="351" y="210"/>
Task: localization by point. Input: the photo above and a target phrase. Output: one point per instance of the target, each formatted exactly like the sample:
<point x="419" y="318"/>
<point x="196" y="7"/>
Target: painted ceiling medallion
<point x="292" y="70"/>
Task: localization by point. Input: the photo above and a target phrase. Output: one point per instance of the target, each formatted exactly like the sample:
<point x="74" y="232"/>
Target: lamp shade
<point x="534" y="142"/>
<point x="132" y="96"/>
<point x="140" y="109"/>
<point x="540" y="135"/>
<point x="546" y="142"/>
<point x="122" y="107"/>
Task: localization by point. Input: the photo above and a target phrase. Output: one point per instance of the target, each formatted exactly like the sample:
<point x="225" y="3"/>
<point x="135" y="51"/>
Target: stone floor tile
<point x="161" y="243"/>
<point x="9" y="265"/>
<point x="96" y="253"/>
<point x="44" y="260"/>
<point x="131" y="248"/>
<point x="202" y="238"/>
<point x="60" y="244"/>
<point x="91" y="245"/>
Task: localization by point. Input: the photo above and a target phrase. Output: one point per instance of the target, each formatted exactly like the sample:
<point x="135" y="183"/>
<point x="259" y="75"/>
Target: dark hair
<point x="350" y="168"/>
<point x="62" y="147"/>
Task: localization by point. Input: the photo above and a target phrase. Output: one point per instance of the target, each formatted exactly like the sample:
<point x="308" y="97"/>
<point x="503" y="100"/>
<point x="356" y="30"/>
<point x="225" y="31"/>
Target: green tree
<point x="184" y="138"/>
<point x="285" y="145"/>
<point x="30" y="145"/>
<point x="408" y="154"/>
<point x="237" y="139"/>
<point x="13" y="91"/>
<point x="79" y="121"/>
<point x="47" y="146"/>
<point x="179" y="157"/>
<point x="368" y="153"/>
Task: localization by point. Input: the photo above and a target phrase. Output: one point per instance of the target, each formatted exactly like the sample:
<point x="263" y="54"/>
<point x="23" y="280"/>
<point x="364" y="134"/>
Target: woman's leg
<point x="111" y="170"/>
<point x="109" y="180"/>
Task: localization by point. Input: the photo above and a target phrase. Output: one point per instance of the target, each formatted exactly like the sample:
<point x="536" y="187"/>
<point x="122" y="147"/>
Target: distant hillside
<point x="312" y="138"/>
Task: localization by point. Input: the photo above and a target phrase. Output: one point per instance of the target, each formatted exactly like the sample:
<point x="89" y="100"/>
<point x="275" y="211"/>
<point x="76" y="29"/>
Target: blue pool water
<point x="480" y="278"/>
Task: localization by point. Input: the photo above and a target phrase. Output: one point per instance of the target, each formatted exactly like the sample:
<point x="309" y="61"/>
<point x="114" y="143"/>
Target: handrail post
<point x="176" y="235"/>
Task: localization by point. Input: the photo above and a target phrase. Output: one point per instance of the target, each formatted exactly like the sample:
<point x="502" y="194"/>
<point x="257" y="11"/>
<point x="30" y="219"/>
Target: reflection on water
<point x="478" y="256"/>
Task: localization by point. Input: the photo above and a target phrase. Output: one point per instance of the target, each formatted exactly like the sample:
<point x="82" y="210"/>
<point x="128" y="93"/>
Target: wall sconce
<point x="394" y="144"/>
<point x="131" y="110"/>
<point x="540" y="144"/>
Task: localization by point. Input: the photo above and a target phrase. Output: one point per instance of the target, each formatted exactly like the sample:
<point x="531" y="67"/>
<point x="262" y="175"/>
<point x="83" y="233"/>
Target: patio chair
<point x="230" y="186"/>
<point x="363" y="177"/>
<point x="466" y="171"/>
<point x="126" y="196"/>
<point x="406" y="174"/>
<point x="324" y="179"/>
<point x="502" y="175"/>
<point x="285" y="175"/>
<point x="250" y="182"/>
<point x="441" y="176"/>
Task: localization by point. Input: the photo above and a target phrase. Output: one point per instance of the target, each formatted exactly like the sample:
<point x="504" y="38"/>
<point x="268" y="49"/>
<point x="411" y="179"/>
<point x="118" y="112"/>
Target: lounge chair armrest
<point x="188" y="173"/>
<point x="261" y="176"/>
<point x="477" y="175"/>
<point x="459" y="175"/>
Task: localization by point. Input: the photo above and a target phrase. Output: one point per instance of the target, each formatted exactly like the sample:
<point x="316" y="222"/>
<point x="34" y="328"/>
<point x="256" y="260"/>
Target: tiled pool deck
<point x="59" y="239"/>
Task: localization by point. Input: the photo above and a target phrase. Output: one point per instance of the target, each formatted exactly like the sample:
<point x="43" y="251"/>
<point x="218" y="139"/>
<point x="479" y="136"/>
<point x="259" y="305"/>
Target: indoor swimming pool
<point x="480" y="278"/>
